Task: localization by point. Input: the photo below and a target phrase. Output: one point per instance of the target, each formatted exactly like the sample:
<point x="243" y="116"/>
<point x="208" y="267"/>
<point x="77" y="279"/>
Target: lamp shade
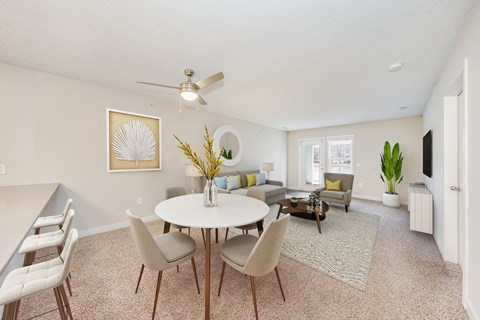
<point x="268" y="166"/>
<point x="191" y="171"/>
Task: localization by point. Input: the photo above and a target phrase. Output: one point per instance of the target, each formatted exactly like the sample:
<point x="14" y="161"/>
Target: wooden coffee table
<point x="304" y="210"/>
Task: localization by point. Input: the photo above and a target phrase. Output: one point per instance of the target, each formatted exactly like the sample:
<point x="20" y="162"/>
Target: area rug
<point x="344" y="248"/>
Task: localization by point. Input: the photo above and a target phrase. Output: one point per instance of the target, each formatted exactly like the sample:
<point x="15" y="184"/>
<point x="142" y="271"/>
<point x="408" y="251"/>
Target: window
<point x="340" y="154"/>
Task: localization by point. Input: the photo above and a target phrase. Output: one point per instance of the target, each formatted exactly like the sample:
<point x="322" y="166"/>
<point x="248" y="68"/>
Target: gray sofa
<point x="274" y="190"/>
<point x="344" y="196"/>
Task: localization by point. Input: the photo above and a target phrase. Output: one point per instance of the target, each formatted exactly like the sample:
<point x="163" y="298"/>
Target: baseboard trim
<point x="470" y="311"/>
<point x="379" y="199"/>
<point x="113" y="226"/>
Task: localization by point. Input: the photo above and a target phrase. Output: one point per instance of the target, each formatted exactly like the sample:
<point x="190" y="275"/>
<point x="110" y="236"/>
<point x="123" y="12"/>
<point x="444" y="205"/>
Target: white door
<point x="461" y="179"/>
<point x="312" y="155"/>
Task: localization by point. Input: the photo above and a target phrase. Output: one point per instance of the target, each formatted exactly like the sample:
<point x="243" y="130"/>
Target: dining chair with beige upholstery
<point x="55" y="220"/>
<point x="256" y="256"/>
<point x="173" y="192"/>
<point x="258" y="194"/>
<point x="25" y="281"/>
<point x="161" y="252"/>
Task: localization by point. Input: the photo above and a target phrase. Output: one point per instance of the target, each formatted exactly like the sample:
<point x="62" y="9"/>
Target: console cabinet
<point x="420" y="205"/>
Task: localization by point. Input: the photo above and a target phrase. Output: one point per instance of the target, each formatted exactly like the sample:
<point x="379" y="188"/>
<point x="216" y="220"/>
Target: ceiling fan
<point x="188" y="89"/>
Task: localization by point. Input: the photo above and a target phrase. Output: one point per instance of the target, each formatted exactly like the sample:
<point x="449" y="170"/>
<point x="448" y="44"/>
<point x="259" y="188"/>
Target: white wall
<point x="369" y="139"/>
<point x="53" y="129"/>
<point x="467" y="46"/>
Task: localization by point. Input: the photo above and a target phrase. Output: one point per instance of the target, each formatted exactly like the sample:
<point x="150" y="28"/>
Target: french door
<point x="312" y="155"/>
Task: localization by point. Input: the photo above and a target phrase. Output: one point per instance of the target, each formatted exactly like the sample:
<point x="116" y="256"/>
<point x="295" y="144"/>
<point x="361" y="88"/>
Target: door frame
<point x="450" y="208"/>
<point x="300" y="166"/>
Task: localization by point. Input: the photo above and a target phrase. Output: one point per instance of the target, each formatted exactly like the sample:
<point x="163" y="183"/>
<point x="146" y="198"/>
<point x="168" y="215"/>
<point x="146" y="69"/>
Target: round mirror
<point x="228" y="137"/>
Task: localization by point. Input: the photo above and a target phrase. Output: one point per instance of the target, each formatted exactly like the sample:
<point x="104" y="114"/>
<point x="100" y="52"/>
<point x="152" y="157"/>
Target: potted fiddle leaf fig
<point x="391" y="164"/>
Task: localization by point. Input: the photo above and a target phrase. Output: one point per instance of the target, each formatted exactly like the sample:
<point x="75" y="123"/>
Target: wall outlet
<point x="360" y="184"/>
<point x="3" y="169"/>
<point x="139" y="200"/>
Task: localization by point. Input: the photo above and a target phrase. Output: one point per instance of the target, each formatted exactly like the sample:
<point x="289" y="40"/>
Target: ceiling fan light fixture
<point x="189" y="96"/>
<point x="188" y="91"/>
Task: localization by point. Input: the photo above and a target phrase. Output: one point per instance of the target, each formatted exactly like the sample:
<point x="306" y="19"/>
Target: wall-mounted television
<point x="427" y="154"/>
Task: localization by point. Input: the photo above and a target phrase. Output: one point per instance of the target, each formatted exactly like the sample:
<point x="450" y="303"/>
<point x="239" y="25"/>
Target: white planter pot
<point x="391" y="200"/>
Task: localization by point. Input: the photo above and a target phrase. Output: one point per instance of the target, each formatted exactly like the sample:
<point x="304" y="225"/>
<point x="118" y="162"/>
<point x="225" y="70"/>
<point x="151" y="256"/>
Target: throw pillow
<point x="221" y="182"/>
<point x="334" y="186"/>
<point x="251" y="179"/>
<point x="233" y="182"/>
<point x="260" y="179"/>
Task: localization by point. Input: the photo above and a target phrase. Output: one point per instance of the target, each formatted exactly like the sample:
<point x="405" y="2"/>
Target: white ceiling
<point x="287" y="64"/>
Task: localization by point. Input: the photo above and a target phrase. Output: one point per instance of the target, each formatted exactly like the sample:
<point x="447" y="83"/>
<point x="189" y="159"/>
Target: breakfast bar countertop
<point x="19" y="208"/>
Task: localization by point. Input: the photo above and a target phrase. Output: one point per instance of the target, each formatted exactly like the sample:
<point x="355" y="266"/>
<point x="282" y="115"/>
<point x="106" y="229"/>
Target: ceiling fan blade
<point x="209" y="80"/>
<point x="201" y="101"/>
<point x="159" y="85"/>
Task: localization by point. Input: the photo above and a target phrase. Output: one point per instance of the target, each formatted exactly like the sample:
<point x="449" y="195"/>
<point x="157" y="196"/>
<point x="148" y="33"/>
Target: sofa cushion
<point x="333" y="194"/>
<point x="243" y="178"/>
<point x="242" y="191"/>
<point x="251" y="179"/>
<point x="226" y="174"/>
<point x="333" y="185"/>
<point x="233" y="182"/>
<point x="260" y="178"/>
<point x="272" y="190"/>
<point x="221" y="182"/>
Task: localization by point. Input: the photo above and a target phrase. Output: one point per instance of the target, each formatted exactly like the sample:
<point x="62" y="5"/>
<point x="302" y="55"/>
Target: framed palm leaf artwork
<point x="133" y="142"/>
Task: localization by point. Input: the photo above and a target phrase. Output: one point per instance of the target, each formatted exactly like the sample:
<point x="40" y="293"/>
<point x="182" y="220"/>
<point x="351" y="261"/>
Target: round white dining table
<point x="232" y="210"/>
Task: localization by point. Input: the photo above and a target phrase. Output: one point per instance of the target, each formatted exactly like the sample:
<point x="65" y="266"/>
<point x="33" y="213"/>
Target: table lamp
<point x="192" y="172"/>
<point x="268" y="166"/>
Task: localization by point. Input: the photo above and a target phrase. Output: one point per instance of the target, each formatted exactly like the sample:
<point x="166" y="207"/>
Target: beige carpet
<point x="408" y="280"/>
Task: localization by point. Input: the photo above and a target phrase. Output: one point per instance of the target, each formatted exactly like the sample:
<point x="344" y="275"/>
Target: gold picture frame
<point x="133" y="142"/>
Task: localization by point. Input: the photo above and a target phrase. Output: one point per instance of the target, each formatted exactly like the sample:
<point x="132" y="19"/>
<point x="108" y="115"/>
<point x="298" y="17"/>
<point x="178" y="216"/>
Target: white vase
<point x="210" y="197"/>
<point x="391" y="200"/>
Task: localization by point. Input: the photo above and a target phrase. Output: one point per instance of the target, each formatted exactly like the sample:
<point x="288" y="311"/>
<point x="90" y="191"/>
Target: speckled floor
<point x="408" y="280"/>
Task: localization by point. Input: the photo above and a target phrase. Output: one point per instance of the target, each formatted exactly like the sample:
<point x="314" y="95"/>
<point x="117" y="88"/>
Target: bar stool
<point x="47" y="240"/>
<point x="55" y="220"/>
<point x="25" y="281"/>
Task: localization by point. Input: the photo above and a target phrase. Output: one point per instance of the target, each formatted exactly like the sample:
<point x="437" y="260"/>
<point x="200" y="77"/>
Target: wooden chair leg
<point x="139" y="278"/>
<point x="226" y="234"/>
<point x="216" y="235"/>
<point x="195" y="274"/>
<point x="188" y="231"/>
<point x="17" y="310"/>
<point x="254" y="294"/>
<point x="65" y="300"/>
<point x="279" y="282"/>
<point x="346" y="208"/>
<point x="9" y="311"/>
<point x="69" y="286"/>
<point x="178" y="269"/>
<point x="29" y="258"/>
<point x="203" y="236"/>
<point x="159" y="281"/>
<point x="221" y="277"/>
<point x="61" y="308"/>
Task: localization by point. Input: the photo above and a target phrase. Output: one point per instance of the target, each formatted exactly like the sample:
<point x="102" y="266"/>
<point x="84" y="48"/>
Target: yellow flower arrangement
<point x="209" y="167"/>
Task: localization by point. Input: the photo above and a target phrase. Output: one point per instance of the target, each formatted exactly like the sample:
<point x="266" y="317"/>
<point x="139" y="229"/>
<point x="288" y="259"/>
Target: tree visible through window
<point x="340" y="154"/>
